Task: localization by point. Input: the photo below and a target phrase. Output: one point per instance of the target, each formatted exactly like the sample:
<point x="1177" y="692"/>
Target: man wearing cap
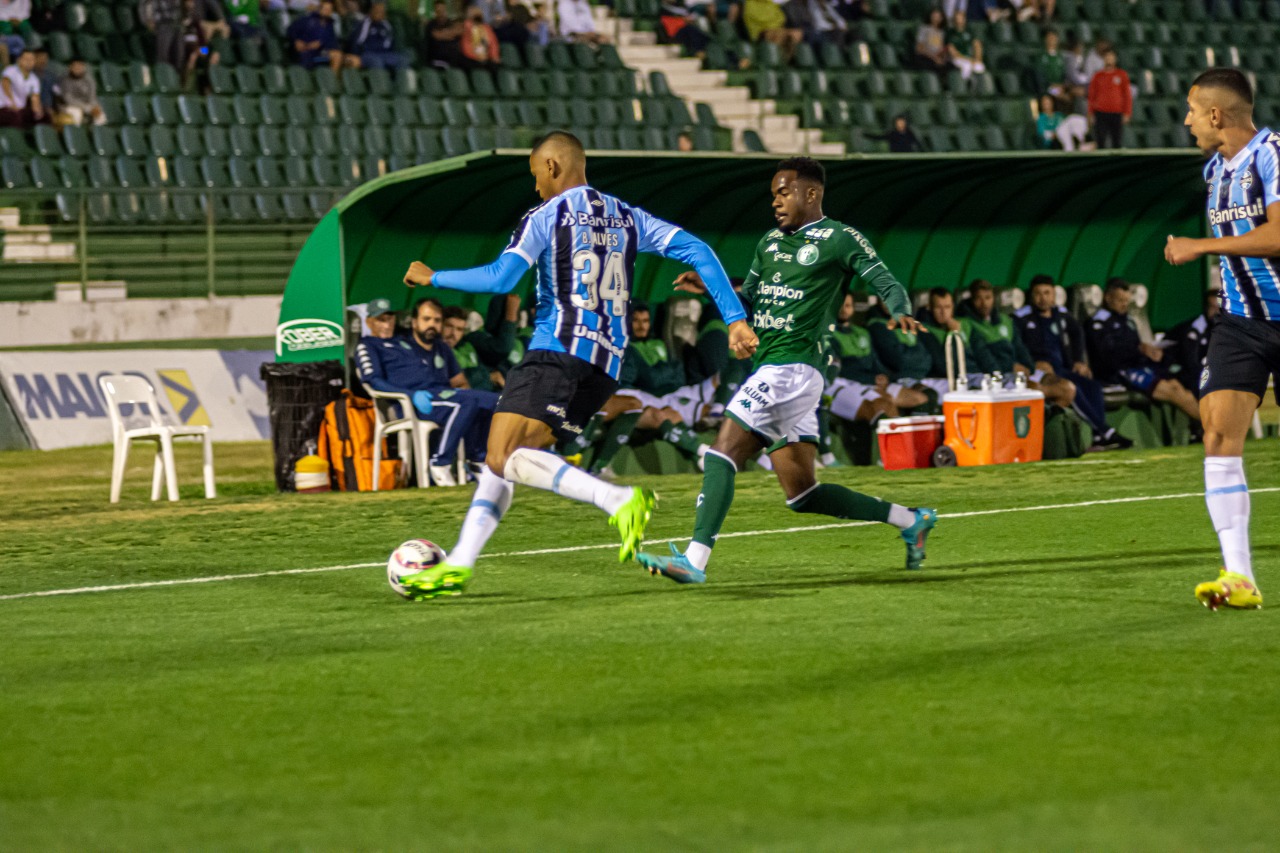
<point x="422" y="366"/>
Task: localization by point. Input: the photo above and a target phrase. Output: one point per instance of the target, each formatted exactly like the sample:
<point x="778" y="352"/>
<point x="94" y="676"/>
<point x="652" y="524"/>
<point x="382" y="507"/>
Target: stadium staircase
<point x="663" y="69"/>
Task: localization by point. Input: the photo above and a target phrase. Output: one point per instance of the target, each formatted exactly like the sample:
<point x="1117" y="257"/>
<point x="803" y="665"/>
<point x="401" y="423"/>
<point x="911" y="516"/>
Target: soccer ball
<point x="416" y="555"/>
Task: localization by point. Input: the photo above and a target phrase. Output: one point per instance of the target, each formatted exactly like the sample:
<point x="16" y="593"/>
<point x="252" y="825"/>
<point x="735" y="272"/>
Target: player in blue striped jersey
<point x="1243" y="174"/>
<point x="584" y="244"/>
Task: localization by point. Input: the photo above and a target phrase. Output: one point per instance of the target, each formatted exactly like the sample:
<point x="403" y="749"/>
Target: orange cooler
<point x="994" y="427"/>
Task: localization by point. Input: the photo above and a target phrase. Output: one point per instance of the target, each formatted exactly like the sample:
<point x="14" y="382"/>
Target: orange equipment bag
<point x="346" y="441"/>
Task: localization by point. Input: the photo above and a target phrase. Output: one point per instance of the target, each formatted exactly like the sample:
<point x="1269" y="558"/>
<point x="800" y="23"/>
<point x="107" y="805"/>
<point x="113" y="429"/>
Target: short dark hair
<point x="557" y="135"/>
<point x="637" y="306"/>
<point x="428" y="300"/>
<point x="1040" y="279"/>
<point x="455" y="312"/>
<point x="806" y="169"/>
<point x="980" y="284"/>
<point x="1117" y="283"/>
<point x="938" y="293"/>
<point x="1231" y="79"/>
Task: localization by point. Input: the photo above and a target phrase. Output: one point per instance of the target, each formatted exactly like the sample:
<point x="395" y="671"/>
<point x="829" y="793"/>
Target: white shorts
<point x="779" y="403"/>
<point x="848" y="396"/>
<point x="688" y="401"/>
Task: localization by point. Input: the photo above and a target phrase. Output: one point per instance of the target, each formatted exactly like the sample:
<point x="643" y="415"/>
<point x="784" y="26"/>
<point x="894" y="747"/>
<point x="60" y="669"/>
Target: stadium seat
<point x="105" y="140"/>
<point x="218" y="111"/>
<point x="270" y="141"/>
<point x="453" y="140"/>
<point x="217" y="142"/>
<point x="299" y="81"/>
<point x="13" y="172"/>
<point x="274" y="81"/>
<point x="297" y="141"/>
<point x="430" y="111"/>
<point x="272" y="110"/>
<point x="378" y="81"/>
<point x="426" y="143"/>
<point x="246" y="109"/>
<point x="298" y="110"/>
<point x="324" y="142"/>
<point x="247" y="80"/>
<point x="129" y="173"/>
<point x="349" y="141"/>
<point x="137" y="109"/>
<point x="158" y="172"/>
<point x="324" y="109"/>
<point x="375" y="142"/>
<point x="404" y="112"/>
<point x="44" y="174"/>
<point x="133" y="141"/>
<point x="164" y="110"/>
<point x="379" y="110"/>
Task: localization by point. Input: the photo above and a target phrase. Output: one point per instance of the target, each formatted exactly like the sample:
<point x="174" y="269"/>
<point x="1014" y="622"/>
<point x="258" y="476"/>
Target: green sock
<point x="837" y="501"/>
<point x="715" y="499"/>
<point x="618" y="434"/>
<point x="590" y="433"/>
<point x="681" y="436"/>
<point x="824" y="431"/>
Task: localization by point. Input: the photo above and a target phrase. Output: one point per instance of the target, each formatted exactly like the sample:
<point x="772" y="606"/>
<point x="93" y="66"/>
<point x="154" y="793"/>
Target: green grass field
<point x="1048" y="682"/>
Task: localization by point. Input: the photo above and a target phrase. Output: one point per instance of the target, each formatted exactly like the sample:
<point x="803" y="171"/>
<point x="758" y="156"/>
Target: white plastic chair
<point x="394" y="413"/>
<point x="120" y="390"/>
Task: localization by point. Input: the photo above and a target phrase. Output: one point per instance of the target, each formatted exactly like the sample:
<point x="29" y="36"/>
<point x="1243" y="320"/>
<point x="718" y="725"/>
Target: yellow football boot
<point x="1231" y="589"/>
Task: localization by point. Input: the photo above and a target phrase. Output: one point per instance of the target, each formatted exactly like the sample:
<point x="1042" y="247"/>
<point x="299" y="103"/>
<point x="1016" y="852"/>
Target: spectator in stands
<point x="424" y="367"/>
<point x="1047" y="124"/>
<point x="524" y="26"/>
<point x="1049" y="69"/>
<point x="77" y="95"/>
<point x="15" y="28"/>
<point x="373" y="44"/>
<point x="964" y="50"/>
<point x="765" y="21"/>
<point x="1076" y="79"/>
<point x="680" y="26"/>
<point x="1190" y="343"/>
<point x="314" y="38"/>
<point x="165" y="19"/>
<point x="197" y="53"/>
<point x="931" y="52"/>
<point x="820" y="21"/>
<point x="495" y="12"/>
<point x="479" y="42"/>
<point x="245" y="18"/>
<point x="444" y="37"/>
<point x="1120" y="356"/>
<point x="1110" y="103"/>
<point x="901" y="138"/>
<point x="684" y="141"/>
<point x="48" y="82"/>
<point x="940" y="320"/>
<point x="908" y="358"/>
<point x="1096" y="59"/>
<point x="212" y="19"/>
<point x="479" y="376"/>
<point x="1056" y="342"/>
<point x="20" y="94"/>
<point x="577" y="23"/>
<point x="1005" y="351"/>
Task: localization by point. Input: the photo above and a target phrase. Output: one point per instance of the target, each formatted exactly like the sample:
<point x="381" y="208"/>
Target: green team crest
<point x="1022" y="421"/>
<point x="807" y="255"/>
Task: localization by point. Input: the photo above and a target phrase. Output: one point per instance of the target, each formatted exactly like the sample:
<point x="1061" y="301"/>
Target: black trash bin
<point x="296" y="397"/>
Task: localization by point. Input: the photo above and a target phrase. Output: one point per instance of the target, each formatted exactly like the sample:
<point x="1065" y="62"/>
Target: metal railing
<point x="83" y="244"/>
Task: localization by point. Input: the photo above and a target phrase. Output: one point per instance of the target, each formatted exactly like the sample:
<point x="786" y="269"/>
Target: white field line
<point x="540" y="551"/>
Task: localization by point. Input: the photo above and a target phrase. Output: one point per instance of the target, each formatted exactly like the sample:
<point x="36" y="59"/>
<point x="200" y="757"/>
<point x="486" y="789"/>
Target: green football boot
<point x="444" y="579"/>
<point x="631" y="519"/>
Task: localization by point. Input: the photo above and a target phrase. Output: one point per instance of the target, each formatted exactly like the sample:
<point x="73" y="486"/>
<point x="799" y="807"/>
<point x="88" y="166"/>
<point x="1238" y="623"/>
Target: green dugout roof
<point x="936" y="220"/>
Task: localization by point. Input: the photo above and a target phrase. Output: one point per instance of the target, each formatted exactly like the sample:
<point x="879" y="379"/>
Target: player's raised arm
<point x="528" y="241"/>
<point x="871" y="269"/>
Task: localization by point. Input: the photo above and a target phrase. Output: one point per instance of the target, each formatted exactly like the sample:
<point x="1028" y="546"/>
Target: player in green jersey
<point x="799" y="275"/>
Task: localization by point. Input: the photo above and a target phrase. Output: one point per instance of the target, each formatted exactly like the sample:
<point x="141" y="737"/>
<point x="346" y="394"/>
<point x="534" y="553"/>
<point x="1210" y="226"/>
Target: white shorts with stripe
<point x="688" y="401"/>
<point x="779" y="403"/>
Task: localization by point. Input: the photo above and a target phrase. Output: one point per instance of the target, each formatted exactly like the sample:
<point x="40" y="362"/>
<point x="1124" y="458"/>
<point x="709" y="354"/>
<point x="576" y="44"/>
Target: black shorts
<point x="1243" y="355"/>
<point x="558" y="389"/>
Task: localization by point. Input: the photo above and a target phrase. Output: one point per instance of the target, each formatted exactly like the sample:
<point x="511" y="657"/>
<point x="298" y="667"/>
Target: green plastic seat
<point x="274" y="81"/>
<point x="129" y="173"/>
<point x="406" y="82"/>
<point x="218" y="111"/>
<point x="47" y="142"/>
<point x="401" y="141"/>
<point x="158" y="172"/>
<point x="242" y="141"/>
<point x="324" y="142"/>
<point x="299" y="80"/>
<point x="559" y="56"/>
<point x="133" y="141"/>
<point x="325" y="82"/>
<point x="453" y="141"/>
<point x="13" y="173"/>
<point x="298" y="110"/>
<point x="111" y="79"/>
<point x="404" y="112"/>
<point x="164" y="110"/>
<point x="354" y="82"/>
<point x="73" y="172"/>
<point x="431" y="83"/>
<point x="378" y="81"/>
<point x="186" y="173"/>
<point x="44" y="174"/>
<point x="105" y="140"/>
<point x="221" y="80"/>
<point x="271" y="141"/>
<point x="324" y="110"/>
<point x="192" y="109"/>
<point x="189" y="142"/>
<point x="217" y="141"/>
<point x="426" y="144"/>
<point x="457" y="84"/>
<point x="240" y="172"/>
<point x="137" y="109"/>
<point x="246" y="110"/>
<point x="379" y="110"/>
<point x="349" y="141"/>
<point x="297" y="141"/>
<point x="247" y="80"/>
<point x="273" y="110"/>
<point x="214" y="172"/>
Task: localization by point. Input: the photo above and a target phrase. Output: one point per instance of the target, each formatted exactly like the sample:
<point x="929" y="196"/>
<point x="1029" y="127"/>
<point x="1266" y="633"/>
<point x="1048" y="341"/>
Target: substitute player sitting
<point x="584" y="244"/>
<point x="800" y="272"/>
<point x="1243" y="174"/>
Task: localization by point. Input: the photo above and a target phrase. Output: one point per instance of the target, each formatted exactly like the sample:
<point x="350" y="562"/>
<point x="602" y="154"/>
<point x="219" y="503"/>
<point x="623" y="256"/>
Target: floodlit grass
<point x="1047" y="682"/>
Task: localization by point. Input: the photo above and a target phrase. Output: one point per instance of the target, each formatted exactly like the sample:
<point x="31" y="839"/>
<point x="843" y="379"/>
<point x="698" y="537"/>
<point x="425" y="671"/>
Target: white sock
<point x="489" y="503"/>
<point x="1227" y="496"/>
<point x="764" y="461"/>
<point x="827" y="459"/>
<point x="544" y="470"/>
<point x="699" y="555"/>
<point x="901" y="517"/>
<point x="702" y="450"/>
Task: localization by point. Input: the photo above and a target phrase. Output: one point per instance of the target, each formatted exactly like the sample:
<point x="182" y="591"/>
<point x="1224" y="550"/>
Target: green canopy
<point x="936" y="220"/>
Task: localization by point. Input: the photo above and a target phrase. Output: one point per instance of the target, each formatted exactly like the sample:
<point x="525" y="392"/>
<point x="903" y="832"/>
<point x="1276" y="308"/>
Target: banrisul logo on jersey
<point x="304" y="336"/>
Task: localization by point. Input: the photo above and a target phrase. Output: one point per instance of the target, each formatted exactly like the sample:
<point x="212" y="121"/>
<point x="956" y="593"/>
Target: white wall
<point x="25" y="324"/>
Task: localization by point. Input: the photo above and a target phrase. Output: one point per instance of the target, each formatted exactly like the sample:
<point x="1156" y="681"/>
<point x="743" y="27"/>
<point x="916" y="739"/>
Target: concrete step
<point x="831" y="149"/>
<point x="636" y="39"/>
<point x="26" y="234"/>
<point x="93" y="291"/>
<point x="39" y="252"/>
<point x="10" y="217"/>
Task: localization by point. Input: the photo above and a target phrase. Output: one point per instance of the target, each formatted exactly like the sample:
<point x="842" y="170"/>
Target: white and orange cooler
<point x="995" y="426"/>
